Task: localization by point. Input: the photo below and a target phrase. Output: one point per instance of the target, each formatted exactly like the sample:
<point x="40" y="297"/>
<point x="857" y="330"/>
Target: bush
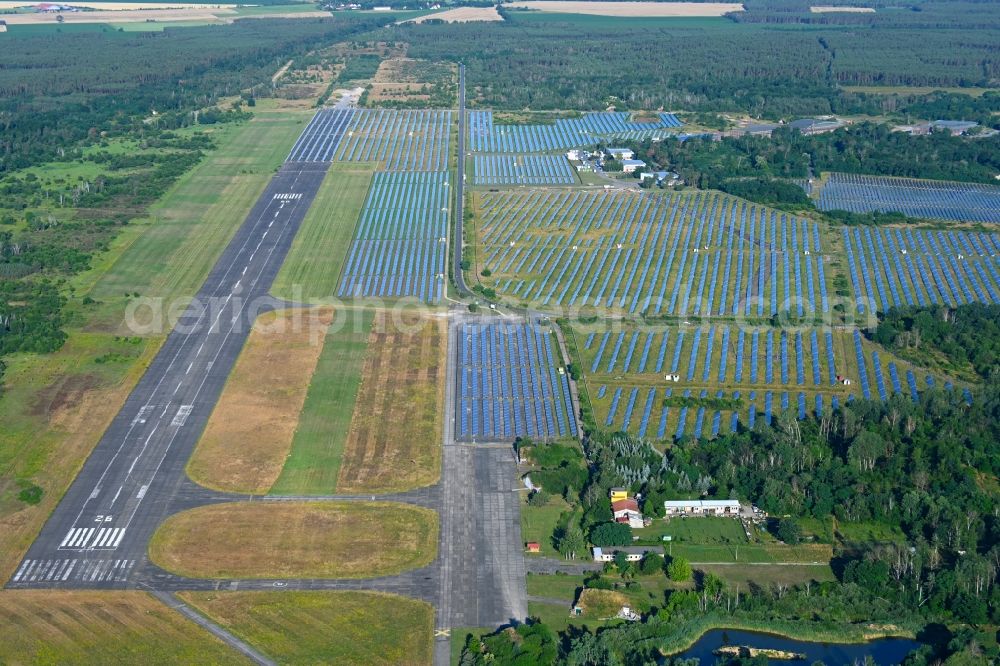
<point x="32" y="494"/>
<point x="538" y="498"/>
<point x="611" y="534"/>
<point x="651" y="564"/>
<point x="789" y="531"/>
<point x="679" y="569"/>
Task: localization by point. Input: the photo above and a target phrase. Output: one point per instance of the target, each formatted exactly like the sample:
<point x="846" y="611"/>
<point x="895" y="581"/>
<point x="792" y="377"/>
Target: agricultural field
<point x="394" y="442"/>
<point x="665" y="382"/>
<point x="485" y="136"/>
<point x="250" y="431"/>
<point x="87" y="627"/>
<point x="399" y="247"/>
<point x="512" y="384"/>
<point x="926" y="267"/>
<point x="677" y="254"/>
<point x="342" y="627"/>
<point x="312" y="269"/>
<point x="313" y="465"/>
<point x="293" y="539"/>
<point x="929" y="199"/>
<point x="398" y="140"/>
<point x="522" y="170"/>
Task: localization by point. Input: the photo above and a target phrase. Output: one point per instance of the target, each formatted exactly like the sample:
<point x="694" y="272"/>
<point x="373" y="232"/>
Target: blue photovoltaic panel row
<point x="916" y="198"/>
<point x="400" y="140"/>
<point x="898" y="267"/>
<point x="590" y="128"/>
<point x="399" y="248"/>
<point x="321" y="136"/>
<point x="510" y="384"/>
<point x="522" y="170"/>
<point x="672" y="254"/>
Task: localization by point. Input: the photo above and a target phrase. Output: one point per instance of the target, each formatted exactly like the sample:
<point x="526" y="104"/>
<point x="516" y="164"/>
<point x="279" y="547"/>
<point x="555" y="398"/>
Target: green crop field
<point x="325" y="627"/>
<point x="170" y="254"/>
<point x="318" y="445"/>
<point x="312" y="270"/>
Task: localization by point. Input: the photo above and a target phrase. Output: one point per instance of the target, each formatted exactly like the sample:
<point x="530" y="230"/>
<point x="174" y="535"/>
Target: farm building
<point x="619" y="153"/>
<point x="702" y="508"/>
<point x="629" y="166"/>
<point x="626" y="511"/>
<point x="632" y="553"/>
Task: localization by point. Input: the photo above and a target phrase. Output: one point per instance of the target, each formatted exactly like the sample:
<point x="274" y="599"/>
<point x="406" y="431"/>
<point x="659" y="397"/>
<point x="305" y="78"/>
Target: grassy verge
<point x="312" y="270"/>
<point x="250" y="432"/>
<point x="314" y="463"/>
<point x="325" y="627"/>
<point x="296" y="540"/>
<point x="539" y="522"/>
<point x="84" y="627"/>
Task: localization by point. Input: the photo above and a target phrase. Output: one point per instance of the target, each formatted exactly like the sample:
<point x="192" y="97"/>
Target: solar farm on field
<point x="511" y="384"/>
<point x="399" y="245"/>
<point x="896" y="267"/>
<point x="915" y="198"/>
<point x="400" y="140"/>
<point x="675" y="254"/>
<point x="590" y="128"/>
<point x="319" y="140"/>
<point x="727" y="375"/>
<point x="522" y="170"/>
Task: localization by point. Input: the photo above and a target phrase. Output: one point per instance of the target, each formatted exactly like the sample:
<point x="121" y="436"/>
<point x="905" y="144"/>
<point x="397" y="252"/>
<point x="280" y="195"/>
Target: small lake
<point x="884" y="651"/>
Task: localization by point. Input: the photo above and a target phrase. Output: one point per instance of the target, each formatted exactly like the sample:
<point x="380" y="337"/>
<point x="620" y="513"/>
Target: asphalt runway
<point x="97" y="535"/>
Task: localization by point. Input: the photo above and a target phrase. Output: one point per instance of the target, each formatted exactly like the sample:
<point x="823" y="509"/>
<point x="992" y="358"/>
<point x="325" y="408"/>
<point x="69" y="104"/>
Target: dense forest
<point x="714" y="65"/>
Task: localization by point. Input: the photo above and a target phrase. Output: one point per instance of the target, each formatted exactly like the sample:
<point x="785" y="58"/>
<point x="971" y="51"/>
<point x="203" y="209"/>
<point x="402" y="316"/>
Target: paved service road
<point x="97" y="535"/>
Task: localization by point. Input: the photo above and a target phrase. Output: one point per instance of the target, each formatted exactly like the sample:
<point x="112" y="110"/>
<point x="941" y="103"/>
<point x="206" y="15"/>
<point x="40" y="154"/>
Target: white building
<point x="702" y="508"/>
<point x="575" y="155"/>
<point x="632" y="553"/>
<point x="619" y="153"/>
<point x="629" y="166"/>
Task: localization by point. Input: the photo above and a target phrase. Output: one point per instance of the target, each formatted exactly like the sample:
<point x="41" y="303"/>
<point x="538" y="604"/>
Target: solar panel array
<point x="672" y="254"/>
<point x="896" y="267"/>
<point x="398" y="247"/>
<point x="510" y="384"/>
<point x="485" y="136"/>
<point x="522" y="170"/>
<point x="400" y="140"/>
<point x="730" y="363"/>
<point x="320" y="138"/>
<point x="916" y="198"/>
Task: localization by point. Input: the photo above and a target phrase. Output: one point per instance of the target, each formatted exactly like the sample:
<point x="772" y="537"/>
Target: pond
<point x="883" y="651"/>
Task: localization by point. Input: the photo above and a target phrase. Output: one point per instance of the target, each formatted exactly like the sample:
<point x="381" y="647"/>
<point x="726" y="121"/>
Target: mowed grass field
<point x="250" y="431"/>
<point x="395" y="435"/>
<point x="295" y="539"/>
<point x="313" y="465"/>
<point x="169" y="254"/>
<point x="363" y="628"/>
<point x="100" y="628"/>
<point x="311" y="271"/>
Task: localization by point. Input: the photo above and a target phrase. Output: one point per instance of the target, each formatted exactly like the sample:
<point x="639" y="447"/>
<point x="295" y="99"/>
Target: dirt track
<point x="633" y="9"/>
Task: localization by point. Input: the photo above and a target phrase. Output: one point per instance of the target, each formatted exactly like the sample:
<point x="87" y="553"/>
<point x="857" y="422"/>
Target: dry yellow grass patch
<point x="601" y="604"/>
<point x="85" y="627"/>
<point x="395" y="438"/>
<point x="250" y="432"/>
<point x="633" y="9"/>
<point x="279" y="539"/>
<point x="462" y="15"/>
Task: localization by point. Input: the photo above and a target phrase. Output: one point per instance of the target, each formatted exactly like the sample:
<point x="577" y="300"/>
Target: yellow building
<point x="618" y="494"/>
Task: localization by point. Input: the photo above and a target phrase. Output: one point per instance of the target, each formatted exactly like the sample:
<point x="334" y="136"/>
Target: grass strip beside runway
<point x="296" y="540"/>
